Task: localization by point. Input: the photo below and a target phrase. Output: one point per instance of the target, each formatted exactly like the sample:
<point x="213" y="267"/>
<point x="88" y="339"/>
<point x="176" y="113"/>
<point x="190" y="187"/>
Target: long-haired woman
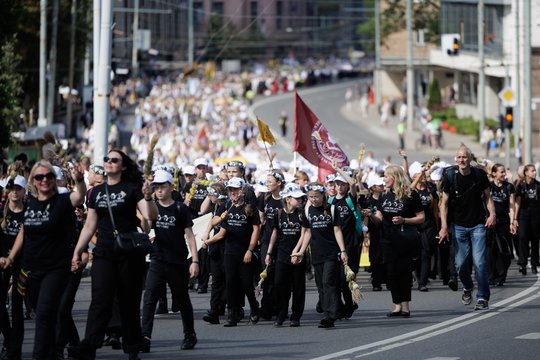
<point x="327" y="250"/>
<point x="286" y="240"/>
<point x="527" y="215"/>
<point x="114" y="271"/>
<point x="400" y="208"/>
<point x="44" y="242"/>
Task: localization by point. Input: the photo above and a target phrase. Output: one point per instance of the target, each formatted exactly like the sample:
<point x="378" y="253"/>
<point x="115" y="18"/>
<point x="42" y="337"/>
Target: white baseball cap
<point x="293" y="190"/>
<point x="20" y="181"/>
<point x="260" y="186"/>
<point x="414" y="169"/>
<point x="235" y="182"/>
<point x="162" y="176"/>
<point x="340" y="178"/>
<point x="189" y="170"/>
<point x="437" y="174"/>
<point x="200" y="161"/>
<point x="374" y="180"/>
<point x="59" y="173"/>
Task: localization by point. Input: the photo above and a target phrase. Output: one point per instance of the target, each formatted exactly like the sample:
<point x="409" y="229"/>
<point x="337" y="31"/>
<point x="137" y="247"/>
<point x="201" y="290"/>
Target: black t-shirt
<point x="374" y="228"/>
<point x="270" y="208"/>
<point x="289" y="229"/>
<point x="196" y="201"/>
<point x="324" y="246"/>
<point x="13" y="225"/>
<point x="49" y="229"/>
<point x="170" y="227"/>
<point x="346" y="220"/>
<point x="529" y="197"/>
<point x="239" y="227"/>
<point x="501" y="199"/>
<point x="124" y="199"/>
<point x="429" y="198"/>
<point x="466" y="204"/>
<point x="390" y="207"/>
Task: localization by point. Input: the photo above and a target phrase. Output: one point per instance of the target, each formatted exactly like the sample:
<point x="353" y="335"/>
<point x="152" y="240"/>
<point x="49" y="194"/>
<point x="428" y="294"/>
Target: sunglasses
<point x="112" y="160"/>
<point x="49" y="176"/>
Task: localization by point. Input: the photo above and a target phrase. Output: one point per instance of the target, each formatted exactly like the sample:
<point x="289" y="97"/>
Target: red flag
<point x="313" y="142"/>
<point x="202" y="139"/>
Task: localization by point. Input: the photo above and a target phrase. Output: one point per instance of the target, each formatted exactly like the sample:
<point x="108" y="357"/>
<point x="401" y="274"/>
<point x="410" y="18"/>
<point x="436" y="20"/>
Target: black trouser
<point x="500" y="251"/>
<point x="177" y="277"/>
<point x="119" y="274"/>
<point x="5" y="327"/>
<point x="376" y="259"/>
<point x="66" y="331"/>
<point x="268" y="301"/>
<point x="290" y="278"/>
<point x="17" y="316"/>
<point x="218" y="299"/>
<point x="46" y="288"/>
<point x="528" y="231"/>
<point x="327" y="278"/>
<point x="239" y="282"/>
<point x="399" y="271"/>
<point x="204" y="273"/>
<point x="427" y="249"/>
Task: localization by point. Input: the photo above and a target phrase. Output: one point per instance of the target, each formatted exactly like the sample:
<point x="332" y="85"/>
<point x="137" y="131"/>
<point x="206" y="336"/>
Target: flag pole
<point x="295" y="166"/>
<point x="269" y="157"/>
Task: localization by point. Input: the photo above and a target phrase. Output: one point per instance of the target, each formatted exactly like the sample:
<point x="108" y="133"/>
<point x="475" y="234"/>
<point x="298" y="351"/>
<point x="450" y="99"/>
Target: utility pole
<point x="526" y="111"/>
<point x="136" y="41"/>
<point x="190" y="32"/>
<point x="52" y="93"/>
<point x="516" y="84"/>
<point x="42" y="116"/>
<point x="377" y="82"/>
<point x="69" y="115"/>
<point x="481" y="74"/>
<point x="96" y="31"/>
<point x="101" y="112"/>
<point x="410" y="69"/>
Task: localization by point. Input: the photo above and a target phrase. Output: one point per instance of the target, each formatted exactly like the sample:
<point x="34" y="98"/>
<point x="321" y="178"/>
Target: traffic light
<point x="509" y="117"/>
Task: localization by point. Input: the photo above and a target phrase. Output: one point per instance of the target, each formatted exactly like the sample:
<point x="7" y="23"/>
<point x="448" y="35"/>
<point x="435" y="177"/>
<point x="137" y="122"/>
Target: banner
<point x="202" y="139"/>
<point x="313" y="142"/>
<point x="264" y="132"/>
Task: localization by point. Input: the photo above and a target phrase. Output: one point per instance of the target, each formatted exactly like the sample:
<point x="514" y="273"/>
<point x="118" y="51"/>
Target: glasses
<point x="112" y="160"/>
<point x="48" y="176"/>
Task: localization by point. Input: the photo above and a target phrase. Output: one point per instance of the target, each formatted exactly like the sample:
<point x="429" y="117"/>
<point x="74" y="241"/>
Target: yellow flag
<point x="264" y="132"/>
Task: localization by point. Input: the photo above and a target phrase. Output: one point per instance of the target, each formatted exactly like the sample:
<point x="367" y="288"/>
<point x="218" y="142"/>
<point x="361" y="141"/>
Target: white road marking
<point x="440" y="328"/>
<point x="529" y="336"/>
<point x="444" y="358"/>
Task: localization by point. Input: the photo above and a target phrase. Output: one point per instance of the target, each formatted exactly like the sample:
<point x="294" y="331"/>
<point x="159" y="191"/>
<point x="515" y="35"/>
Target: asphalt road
<point x="440" y="327"/>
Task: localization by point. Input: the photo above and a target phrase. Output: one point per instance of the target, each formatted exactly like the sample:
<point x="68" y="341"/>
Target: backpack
<point x="358" y="222"/>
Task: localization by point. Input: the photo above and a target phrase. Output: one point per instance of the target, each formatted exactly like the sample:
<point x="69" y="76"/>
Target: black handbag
<point x="131" y="242"/>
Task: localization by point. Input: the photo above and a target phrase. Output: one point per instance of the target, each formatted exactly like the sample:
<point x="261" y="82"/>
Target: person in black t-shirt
<point x="44" y="243"/>
<point x="269" y="205"/>
<point x="400" y="212"/>
<point x="114" y="271"/>
<point x="218" y="196"/>
<point x="12" y="220"/>
<point x="527" y="216"/>
<point x="327" y="250"/>
<point x="500" y="244"/>
<point x="241" y="232"/>
<point x="169" y="263"/>
<point x="286" y="240"/>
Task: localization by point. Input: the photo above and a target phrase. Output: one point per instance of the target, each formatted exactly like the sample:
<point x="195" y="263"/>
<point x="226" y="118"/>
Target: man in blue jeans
<point x="463" y="204"/>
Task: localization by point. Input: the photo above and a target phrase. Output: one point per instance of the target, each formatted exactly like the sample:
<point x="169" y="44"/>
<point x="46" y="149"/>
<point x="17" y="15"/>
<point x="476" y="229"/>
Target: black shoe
<point x="114" y="342"/>
<point x="254" y="316"/>
<point x="161" y="310"/>
<point x="175" y="307"/>
<point x="326" y="323"/>
<point x="81" y="352"/>
<point x="145" y="345"/>
<point x="241" y="314"/>
<point x="452" y="284"/>
<point x="211" y="319"/>
<point x="394" y="314"/>
<point x="523" y="270"/>
<point x="294" y="323"/>
<point x="189" y="342"/>
<point x="309" y="275"/>
<point x="278" y="323"/>
<point x="377" y="288"/>
<point x="230" y="323"/>
<point x="422" y="288"/>
<point x="202" y="291"/>
<point x="534" y="269"/>
<point x="405" y="314"/>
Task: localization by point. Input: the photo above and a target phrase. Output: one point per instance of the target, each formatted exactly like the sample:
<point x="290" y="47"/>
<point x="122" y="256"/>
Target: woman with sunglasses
<point x="44" y="242"/>
<point x="12" y="220"/>
<point x="327" y="250"/>
<point x="114" y="271"/>
<point x="401" y="208"/>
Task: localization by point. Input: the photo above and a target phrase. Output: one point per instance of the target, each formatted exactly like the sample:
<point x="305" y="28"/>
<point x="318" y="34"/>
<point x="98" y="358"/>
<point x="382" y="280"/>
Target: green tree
<point x="435" y="99"/>
<point x="10" y="90"/>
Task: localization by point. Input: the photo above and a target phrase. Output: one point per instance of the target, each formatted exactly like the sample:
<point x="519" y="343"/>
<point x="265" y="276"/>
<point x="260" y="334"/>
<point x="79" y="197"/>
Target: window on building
<point x="253" y="9"/>
<point x="198" y="16"/>
<point x="420" y="37"/>
<point x="279" y="14"/>
<point x="217" y="7"/>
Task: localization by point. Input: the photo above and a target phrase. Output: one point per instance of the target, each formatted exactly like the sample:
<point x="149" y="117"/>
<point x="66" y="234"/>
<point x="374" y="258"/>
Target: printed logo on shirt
<point x="531" y="193"/>
<point x="12" y="227"/>
<point x="165" y="221"/>
<point x="320" y="221"/>
<point x="392" y="206"/>
<point x="36" y="218"/>
<point x="200" y="194"/>
<point x="290" y="228"/>
<point x="499" y="196"/>
<point x="425" y="199"/>
<point x="115" y="199"/>
<point x="343" y="210"/>
<point x="238" y="220"/>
